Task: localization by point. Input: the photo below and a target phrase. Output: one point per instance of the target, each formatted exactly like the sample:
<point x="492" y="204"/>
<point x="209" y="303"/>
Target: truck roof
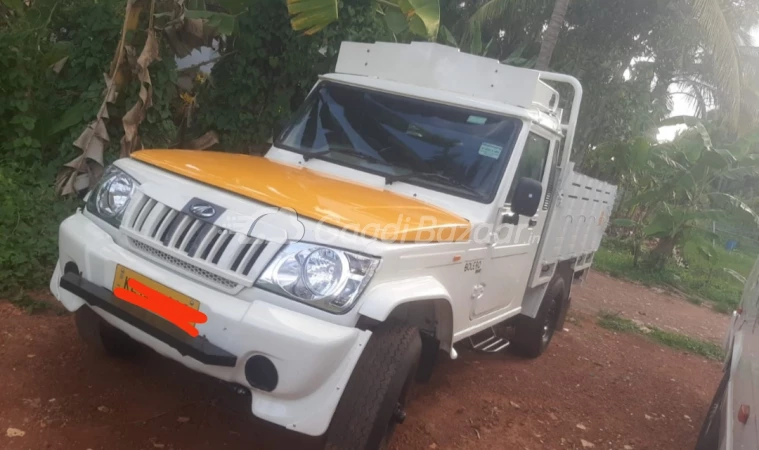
<point x="444" y="74"/>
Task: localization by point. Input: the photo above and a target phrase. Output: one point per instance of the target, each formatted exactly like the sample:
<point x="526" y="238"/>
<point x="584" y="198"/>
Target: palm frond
<point x="750" y="64"/>
<point x="718" y="35"/>
<point x="695" y="97"/>
<point x="491" y="10"/>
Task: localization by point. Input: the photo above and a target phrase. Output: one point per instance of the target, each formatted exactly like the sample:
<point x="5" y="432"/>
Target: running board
<point x="491" y="344"/>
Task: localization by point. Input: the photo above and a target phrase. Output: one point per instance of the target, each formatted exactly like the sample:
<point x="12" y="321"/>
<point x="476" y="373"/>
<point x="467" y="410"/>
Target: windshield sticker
<point x="477" y="120"/>
<point x="490" y="150"/>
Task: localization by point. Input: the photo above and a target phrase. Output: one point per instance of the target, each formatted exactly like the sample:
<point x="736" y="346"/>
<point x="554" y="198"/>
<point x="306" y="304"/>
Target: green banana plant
<point x="676" y="188"/>
<point x="418" y="17"/>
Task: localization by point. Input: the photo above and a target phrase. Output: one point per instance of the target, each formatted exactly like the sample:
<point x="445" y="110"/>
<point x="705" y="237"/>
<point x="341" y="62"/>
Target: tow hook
<point x="399" y="415"/>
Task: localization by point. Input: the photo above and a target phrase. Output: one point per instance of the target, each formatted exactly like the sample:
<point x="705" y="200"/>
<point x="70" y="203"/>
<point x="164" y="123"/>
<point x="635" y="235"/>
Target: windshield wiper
<point x="435" y="177"/>
<point x="345" y="151"/>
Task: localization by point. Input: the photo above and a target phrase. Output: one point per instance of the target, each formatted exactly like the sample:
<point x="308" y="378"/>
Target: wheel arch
<point x="422" y="302"/>
<point x="533" y="297"/>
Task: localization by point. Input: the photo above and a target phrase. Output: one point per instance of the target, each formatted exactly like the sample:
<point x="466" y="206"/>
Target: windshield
<point x="442" y="147"/>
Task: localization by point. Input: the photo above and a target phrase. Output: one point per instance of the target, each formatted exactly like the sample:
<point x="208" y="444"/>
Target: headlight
<point x="324" y="277"/>
<point x="109" y="199"/>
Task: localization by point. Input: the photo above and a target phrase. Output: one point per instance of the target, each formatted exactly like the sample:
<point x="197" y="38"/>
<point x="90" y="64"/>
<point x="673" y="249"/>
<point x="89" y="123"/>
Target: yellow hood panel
<point x="357" y="208"/>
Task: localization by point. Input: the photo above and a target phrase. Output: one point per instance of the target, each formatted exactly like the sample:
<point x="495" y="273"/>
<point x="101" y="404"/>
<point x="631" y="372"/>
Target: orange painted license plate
<point x="121" y="280"/>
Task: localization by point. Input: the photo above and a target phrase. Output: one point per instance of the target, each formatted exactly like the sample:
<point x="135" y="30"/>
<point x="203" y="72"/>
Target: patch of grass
<point x="686" y="343"/>
<point x="701" y="280"/>
<point x="29" y="304"/>
<point x="676" y="341"/>
<point x="30" y="213"/>
<point x="723" y="308"/>
<point x="615" y="322"/>
<point x="695" y="300"/>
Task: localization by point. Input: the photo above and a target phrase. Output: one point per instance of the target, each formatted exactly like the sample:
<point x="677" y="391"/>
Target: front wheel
<point x="377" y="393"/>
<point x="533" y="335"/>
<point x="101" y="335"/>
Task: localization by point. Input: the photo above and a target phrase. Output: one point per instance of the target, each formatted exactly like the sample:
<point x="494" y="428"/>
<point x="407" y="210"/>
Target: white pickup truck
<point x="419" y="197"/>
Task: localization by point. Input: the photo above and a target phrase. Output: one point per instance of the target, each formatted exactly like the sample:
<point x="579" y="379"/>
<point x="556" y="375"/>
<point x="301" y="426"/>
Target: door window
<point x="533" y="162"/>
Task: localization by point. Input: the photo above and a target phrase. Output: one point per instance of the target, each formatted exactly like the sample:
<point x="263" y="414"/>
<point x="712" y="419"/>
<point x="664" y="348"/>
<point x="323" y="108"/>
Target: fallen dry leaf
<point x="209" y="139"/>
<point x="14" y="432"/>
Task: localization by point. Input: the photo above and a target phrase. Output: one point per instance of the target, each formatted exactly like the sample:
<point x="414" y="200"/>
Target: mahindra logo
<point x="203" y="210"/>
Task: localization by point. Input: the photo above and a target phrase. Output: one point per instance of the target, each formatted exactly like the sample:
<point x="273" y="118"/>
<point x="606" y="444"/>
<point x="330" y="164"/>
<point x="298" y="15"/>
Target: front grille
<point x="172" y="261"/>
<point x="217" y="255"/>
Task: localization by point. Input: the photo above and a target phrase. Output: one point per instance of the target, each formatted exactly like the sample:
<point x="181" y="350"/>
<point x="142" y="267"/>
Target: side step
<point x="491" y="344"/>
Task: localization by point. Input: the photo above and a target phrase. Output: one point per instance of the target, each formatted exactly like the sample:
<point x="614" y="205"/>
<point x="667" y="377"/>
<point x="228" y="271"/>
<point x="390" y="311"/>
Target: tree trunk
<point x="662" y="252"/>
<point x="551" y="35"/>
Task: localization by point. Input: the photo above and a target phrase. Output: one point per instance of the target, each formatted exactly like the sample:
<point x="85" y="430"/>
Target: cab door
<point x="514" y="241"/>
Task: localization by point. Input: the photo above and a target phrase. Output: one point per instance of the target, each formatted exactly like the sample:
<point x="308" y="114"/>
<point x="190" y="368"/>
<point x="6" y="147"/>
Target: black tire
<point x="377" y="391"/>
<point x="102" y="336"/>
<point x="428" y="358"/>
<point x="532" y="335"/>
<point x="708" y="437"/>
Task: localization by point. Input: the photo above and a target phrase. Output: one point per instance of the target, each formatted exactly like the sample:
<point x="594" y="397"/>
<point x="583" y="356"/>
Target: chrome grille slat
<point x="160" y="222"/>
<point x="256" y="253"/>
<point x="164" y="228"/>
<point x="138" y="209"/>
<point x="216" y="246"/>
<point x="194" y="270"/>
<point x="179" y="230"/>
<point x="224" y="245"/>
<point x="144" y="214"/>
<point x="250" y="253"/>
<point x="244" y="251"/>
<point x="206" y="252"/>
<point x="155" y="215"/>
<point x="206" y="241"/>
<point x="165" y="224"/>
<point x="232" y="250"/>
<point x="190" y="234"/>
<point x="165" y="237"/>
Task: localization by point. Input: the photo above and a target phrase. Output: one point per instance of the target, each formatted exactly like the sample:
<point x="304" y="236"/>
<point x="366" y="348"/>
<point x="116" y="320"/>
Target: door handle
<point x="510" y="218"/>
<point x="532" y="223"/>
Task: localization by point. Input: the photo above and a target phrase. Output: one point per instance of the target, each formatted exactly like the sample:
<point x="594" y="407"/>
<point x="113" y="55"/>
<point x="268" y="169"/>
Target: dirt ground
<point x="652" y="306"/>
<point x="612" y="391"/>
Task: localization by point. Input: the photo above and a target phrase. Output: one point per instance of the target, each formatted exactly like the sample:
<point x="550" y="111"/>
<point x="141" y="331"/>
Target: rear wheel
<point x="378" y="391"/>
<point x="101" y="335"/>
<point x="533" y="335"/>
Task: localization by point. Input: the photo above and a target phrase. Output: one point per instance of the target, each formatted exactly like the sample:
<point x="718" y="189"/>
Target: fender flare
<point x="381" y="300"/>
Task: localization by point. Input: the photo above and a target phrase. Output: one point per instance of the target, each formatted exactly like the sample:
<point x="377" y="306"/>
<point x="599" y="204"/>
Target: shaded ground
<point x="650" y="305"/>
<point x="612" y="390"/>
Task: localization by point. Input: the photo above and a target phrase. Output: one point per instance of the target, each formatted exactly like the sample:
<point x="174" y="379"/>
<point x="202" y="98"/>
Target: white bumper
<point x="314" y="359"/>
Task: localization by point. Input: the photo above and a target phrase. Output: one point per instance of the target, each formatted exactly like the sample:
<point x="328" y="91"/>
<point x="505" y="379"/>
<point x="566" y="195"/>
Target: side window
<point x="533" y="161"/>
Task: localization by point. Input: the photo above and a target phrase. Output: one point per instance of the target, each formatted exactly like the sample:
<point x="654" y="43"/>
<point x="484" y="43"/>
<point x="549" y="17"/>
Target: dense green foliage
<point x="265" y="74"/>
<point x="41" y="113"/>
<point x="702" y="280"/>
<point x="271" y="71"/>
<point x="628" y="55"/>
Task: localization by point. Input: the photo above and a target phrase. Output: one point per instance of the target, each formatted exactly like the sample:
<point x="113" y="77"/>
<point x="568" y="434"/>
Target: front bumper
<point x="313" y="358"/>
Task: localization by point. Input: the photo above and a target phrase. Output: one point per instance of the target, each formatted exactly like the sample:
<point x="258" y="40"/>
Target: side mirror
<point x="527" y="195"/>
